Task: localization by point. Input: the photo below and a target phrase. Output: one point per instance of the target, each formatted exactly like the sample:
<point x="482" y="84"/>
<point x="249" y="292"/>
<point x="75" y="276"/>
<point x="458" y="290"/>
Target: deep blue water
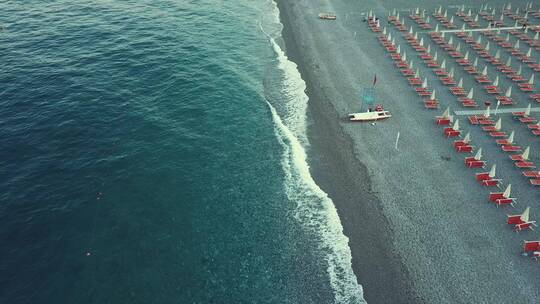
<point x="142" y="160"/>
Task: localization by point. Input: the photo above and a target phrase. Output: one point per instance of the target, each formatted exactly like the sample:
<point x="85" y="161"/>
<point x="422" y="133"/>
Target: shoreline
<point x="346" y="181"/>
<point x="420" y="228"/>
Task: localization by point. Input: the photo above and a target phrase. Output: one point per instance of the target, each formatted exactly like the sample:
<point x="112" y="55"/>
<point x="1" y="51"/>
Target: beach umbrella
<point x="498" y="125"/>
<point x="446" y="113"/>
<point x="508" y="92"/>
<point x="467" y="138"/>
<point x="478" y="155"/>
<point x="507" y="191"/>
<point x="528" y="110"/>
<point x="471" y="94"/>
<point x="492" y="171"/>
<point x="455" y="127"/>
<point x="510" y="138"/>
<point x="487" y="112"/>
<point x="478" y="40"/>
<point x="525" y="154"/>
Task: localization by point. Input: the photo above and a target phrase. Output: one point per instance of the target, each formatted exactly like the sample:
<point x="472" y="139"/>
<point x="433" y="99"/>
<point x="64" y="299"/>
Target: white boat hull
<point x="369" y="116"/>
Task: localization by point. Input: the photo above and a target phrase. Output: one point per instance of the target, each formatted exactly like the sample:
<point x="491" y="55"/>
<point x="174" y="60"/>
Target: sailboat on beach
<point x="370" y="112"/>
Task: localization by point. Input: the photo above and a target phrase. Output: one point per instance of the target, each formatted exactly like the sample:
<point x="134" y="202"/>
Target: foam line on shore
<point x="315" y="210"/>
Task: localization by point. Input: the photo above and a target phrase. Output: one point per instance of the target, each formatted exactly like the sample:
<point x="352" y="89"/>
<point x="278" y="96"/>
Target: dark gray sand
<point x="420" y="228"/>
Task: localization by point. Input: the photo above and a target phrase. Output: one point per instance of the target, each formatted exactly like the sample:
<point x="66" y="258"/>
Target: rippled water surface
<point x="141" y="162"/>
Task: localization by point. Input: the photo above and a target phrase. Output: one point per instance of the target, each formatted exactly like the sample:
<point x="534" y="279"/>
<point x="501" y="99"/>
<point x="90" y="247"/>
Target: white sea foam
<point x="315" y="210"/>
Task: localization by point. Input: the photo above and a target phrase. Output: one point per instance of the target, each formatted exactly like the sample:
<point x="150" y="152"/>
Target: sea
<point x="155" y="151"/>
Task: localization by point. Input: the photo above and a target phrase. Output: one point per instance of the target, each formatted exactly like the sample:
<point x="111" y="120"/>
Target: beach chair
<point x="452" y="131"/>
<point x="463" y="145"/>
<point x="521" y="221"/>
<point x="532" y="249"/>
<point x="445" y="119"/>
<point x="483" y="119"/>
<point x="502" y="198"/>
<point x="521" y="157"/>
<point x="432" y="102"/>
<point x="532" y="174"/>
<point x="476" y="160"/>
<point x="488" y="178"/>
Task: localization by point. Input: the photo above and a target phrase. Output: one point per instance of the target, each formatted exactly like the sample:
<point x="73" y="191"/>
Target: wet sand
<point x="420" y="228"/>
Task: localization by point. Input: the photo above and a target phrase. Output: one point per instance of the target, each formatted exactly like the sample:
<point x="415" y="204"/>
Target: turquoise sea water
<point x="154" y="152"/>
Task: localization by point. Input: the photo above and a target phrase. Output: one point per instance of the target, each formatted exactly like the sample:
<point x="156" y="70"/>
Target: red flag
<point x="375" y="80"/>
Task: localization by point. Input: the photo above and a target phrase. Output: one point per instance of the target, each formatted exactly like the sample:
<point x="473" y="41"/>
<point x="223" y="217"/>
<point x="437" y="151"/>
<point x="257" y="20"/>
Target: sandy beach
<point x="420" y="228"/>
